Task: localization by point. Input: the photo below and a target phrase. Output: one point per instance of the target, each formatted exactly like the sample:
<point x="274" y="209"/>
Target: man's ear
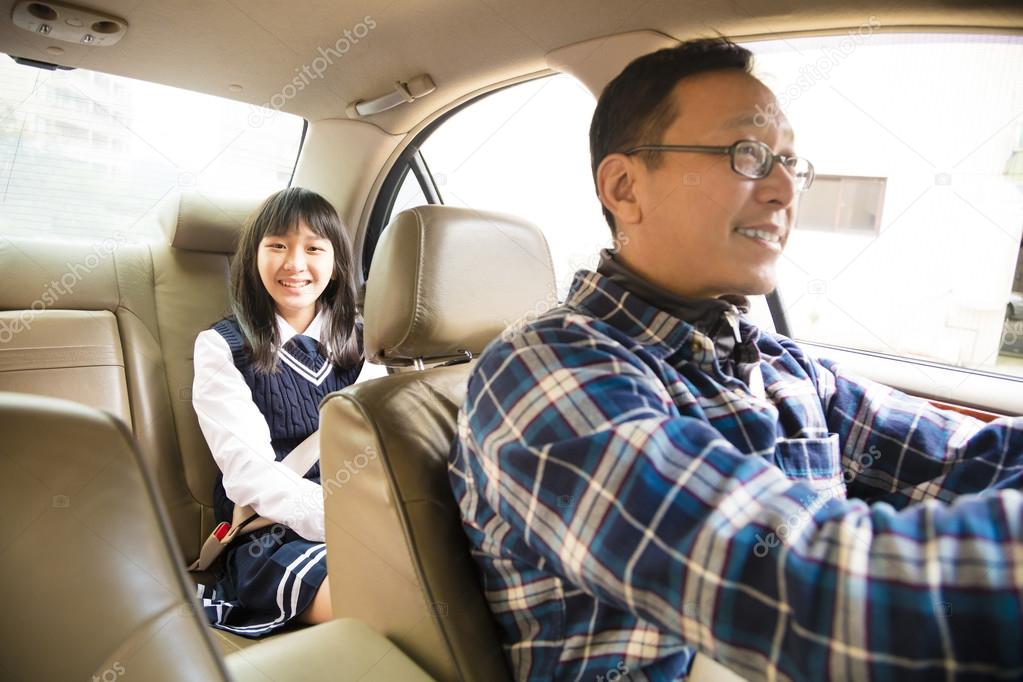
<point x="616" y="177"/>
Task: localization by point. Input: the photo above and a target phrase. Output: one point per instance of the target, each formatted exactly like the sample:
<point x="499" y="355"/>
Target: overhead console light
<point x="403" y="93"/>
<point x="68" y="23"/>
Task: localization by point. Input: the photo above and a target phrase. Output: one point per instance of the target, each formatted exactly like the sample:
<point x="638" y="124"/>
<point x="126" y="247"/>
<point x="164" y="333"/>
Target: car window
<point x="525" y="151"/>
<point x="911" y="246"/>
<point x="86" y="154"/>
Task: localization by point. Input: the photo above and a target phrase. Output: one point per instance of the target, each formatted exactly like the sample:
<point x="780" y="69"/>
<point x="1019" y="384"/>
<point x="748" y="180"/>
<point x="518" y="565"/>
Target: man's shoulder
<point x="561" y="326"/>
<point x="561" y="339"/>
<point x="771" y="343"/>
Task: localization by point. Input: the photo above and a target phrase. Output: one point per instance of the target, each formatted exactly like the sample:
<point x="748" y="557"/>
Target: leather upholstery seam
<point x="550" y="259"/>
<point x="173" y="422"/>
<point x="169" y="542"/>
<point x="167" y="391"/>
<point x="177" y="222"/>
<point x="416" y="299"/>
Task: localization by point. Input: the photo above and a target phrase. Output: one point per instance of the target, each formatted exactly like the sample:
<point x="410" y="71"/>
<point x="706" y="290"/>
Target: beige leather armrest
<point x="339" y="650"/>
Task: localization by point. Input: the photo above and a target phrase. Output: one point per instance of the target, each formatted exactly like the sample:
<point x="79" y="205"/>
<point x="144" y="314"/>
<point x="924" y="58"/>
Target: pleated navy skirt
<point x="268" y="578"/>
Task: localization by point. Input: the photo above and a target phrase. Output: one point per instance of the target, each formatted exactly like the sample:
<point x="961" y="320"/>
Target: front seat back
<point x="444" y="282"/>
<point x="91" y="580"/>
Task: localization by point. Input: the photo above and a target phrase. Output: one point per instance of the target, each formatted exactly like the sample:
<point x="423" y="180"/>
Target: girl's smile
<point x="295" y="268"/>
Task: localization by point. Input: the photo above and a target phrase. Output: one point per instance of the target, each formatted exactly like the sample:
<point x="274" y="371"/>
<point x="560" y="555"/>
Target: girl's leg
<point x="320" y="610"/>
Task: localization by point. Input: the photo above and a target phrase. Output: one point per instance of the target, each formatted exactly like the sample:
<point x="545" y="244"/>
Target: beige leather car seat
<point x="443" y="281"/>
<point x="92" y="584"/>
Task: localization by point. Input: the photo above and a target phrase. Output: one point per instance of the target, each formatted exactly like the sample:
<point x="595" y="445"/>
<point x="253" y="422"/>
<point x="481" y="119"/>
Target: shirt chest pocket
<point x="816" y="462"/>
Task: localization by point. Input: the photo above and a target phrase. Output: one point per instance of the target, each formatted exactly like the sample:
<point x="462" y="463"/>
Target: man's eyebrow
<point x="741" y="121"/>
<point x="758" y="120"/>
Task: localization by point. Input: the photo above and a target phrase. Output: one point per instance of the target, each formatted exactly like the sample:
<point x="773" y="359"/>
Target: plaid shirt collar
<point x="668" y="337"/>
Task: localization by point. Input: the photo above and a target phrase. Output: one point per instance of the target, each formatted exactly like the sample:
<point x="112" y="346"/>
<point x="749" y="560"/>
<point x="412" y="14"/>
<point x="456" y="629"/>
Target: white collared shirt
<point x="239" y="438"/>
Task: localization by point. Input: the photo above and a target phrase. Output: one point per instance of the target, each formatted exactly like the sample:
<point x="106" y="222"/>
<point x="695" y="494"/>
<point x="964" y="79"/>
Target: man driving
<point x="643" y="474"/>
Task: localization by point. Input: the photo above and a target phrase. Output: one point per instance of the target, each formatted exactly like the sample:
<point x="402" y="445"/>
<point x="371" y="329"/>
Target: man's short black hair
<point x="636" y="107"/>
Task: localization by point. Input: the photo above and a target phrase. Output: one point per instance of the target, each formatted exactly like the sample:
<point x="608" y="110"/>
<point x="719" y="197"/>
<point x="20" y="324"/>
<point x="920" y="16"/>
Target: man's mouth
<point x="769" y="235"/>
<point x="760" y="234"/>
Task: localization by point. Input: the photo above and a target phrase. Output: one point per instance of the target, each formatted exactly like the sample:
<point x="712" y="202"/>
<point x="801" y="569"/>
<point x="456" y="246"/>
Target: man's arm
<point x="662" y="511"/>
<point x="901" y="449"/>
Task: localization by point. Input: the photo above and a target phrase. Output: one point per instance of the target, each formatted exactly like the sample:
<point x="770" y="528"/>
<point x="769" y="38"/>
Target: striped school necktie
<point x="307" y="344"/>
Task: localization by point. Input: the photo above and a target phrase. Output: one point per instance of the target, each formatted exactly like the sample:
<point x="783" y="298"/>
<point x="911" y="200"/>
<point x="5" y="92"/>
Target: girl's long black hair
<point x="251" y="302"/>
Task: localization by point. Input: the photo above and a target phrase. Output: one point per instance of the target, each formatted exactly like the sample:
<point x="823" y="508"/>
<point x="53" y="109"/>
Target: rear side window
<point x="85" y="154"/>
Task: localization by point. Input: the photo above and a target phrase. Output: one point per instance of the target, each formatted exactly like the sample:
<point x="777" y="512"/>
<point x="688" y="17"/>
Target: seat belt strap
<point x="244" y="520"/>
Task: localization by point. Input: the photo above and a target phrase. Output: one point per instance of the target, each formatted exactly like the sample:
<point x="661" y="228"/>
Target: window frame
<point x="412" y="159"/>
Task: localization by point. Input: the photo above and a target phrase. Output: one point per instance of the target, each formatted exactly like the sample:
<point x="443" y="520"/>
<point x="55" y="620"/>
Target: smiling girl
<point x="259" y="378"/>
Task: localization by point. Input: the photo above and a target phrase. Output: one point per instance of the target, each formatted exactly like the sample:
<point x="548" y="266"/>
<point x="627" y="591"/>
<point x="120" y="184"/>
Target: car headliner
<point x="464" y="45"/>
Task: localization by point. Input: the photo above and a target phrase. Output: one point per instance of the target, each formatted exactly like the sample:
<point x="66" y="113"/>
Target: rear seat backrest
<point x="58" y="332"/>
<point x="112" y="324"/>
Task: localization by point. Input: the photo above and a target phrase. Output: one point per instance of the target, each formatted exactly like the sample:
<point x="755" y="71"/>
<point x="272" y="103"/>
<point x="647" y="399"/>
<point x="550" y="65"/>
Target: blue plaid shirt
<point x="629" y="504"/>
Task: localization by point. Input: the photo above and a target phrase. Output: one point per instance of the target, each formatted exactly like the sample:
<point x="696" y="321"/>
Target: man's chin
<point x="757" y="287"/>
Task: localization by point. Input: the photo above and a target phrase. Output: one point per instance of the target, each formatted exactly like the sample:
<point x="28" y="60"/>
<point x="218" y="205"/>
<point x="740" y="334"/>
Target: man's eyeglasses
<point x="750" y="159"/>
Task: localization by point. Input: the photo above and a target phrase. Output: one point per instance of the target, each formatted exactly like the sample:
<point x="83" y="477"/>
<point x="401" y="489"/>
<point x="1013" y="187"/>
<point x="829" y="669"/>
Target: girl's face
<point x="295" y="269"/>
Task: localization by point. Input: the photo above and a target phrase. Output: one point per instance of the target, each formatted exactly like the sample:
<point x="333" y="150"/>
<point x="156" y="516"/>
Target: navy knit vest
<point x="289" y="399"/>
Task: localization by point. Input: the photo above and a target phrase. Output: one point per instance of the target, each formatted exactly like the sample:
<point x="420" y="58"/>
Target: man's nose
<point x="779" y="187"/>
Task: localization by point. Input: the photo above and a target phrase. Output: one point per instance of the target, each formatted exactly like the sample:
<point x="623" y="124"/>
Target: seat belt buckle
<point x="221" y="530"/>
